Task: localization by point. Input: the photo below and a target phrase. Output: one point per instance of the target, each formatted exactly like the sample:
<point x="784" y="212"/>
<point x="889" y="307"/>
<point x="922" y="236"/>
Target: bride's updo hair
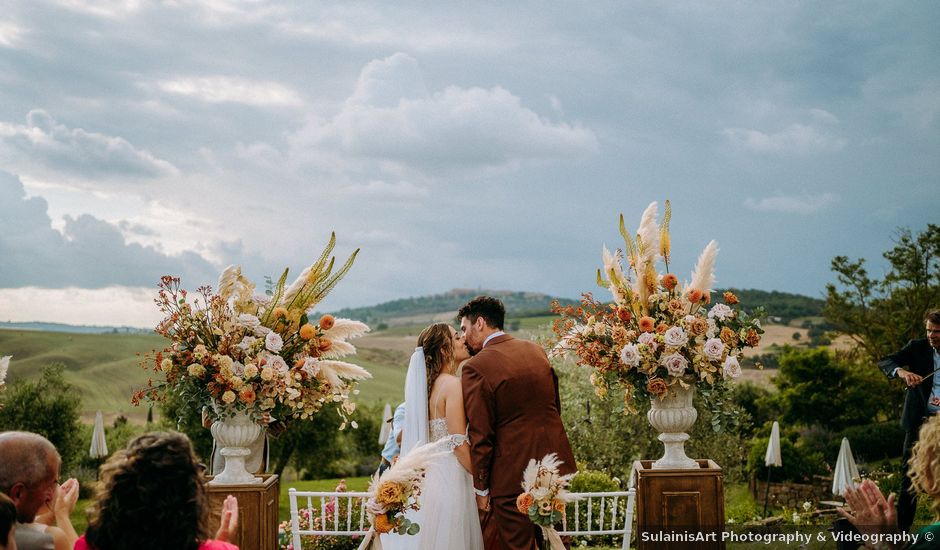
<point x="438" y="347"/>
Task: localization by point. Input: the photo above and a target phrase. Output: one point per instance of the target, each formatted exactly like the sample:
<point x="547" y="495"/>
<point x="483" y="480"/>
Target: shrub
<point x="872" y="441"/>
<point x="799" y="464"/>
<point x="48" y="406"/>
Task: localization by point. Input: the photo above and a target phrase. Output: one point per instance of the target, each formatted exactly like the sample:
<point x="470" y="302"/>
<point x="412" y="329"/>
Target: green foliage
<point x="819" y="388"/>
<point x="48" y="406"/>
<point x="872" y="441"/>
<point x="880" y="315"/>
<point x="593" y="481"/>
<point x="518" y="304"/>
<point x="799" y="463"/>
<point x="178" y="415"/>
<point x="758" y="403"/>
<point x="784" y="305"/>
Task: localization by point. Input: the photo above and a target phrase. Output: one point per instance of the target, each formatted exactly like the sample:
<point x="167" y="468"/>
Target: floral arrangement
<point x="262" y="355"/>
<point x="307" y="519"/>
<point x="545" y="495"/>
<point x="657" y="332"/>
<point x="398" y="491"/>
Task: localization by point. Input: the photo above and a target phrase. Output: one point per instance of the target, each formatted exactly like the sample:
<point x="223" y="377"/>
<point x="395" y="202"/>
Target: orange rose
<point x="389" y="493"/>
<point x="669" y="281"/>
<point x="325" y="345"/>
<point x="308" y="331"/>
<point x="382" y="524"/>
<point x="698" y="326"/>
<point x="657" y="386"/>
<point x="728" y="336"/>
<point x="624" y="315"/>
<point x="247" y="396"/>
<point x="299" y="363"/>
<point x="752" y="338"/>
<point x="327" y="322"/>
<point x="523" y="502"/>
<point x="731" y="299"/>
<point x="559" y="505"/>
<point x="695" y="295"/>
<point x="662" y="328"/>
<point x="647" y="324"/>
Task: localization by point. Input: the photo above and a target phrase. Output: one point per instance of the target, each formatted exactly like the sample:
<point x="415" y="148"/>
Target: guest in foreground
<point x="29" y="475"/>
<point x="7" y="523"/>
<point x="152" y="495"/>
<point x="873" y="514"/>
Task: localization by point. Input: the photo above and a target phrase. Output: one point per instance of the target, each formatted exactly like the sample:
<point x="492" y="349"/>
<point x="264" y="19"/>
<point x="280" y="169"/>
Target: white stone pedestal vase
<point x="232" y="437"/>
<point x="672" y="416"/>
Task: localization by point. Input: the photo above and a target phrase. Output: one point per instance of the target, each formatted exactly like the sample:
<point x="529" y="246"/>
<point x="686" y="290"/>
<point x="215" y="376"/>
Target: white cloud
<point x="391" y="117"/>
<point x="793" y="204"/>
<point x="225" y="89"/>
<point x="796" y="138"/>
<point x="44" y="143"/>
<point x="11" y="34"/>
<point x="122" y="306"/>
<point x="88" y="252"/>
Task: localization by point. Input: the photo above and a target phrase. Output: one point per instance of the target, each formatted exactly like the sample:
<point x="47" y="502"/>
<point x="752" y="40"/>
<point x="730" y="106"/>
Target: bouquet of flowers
<point x="262" y="355"/>
<point x="658" y="332"/>
<point x="396" y="492"/>
<point x="545" y="496"/>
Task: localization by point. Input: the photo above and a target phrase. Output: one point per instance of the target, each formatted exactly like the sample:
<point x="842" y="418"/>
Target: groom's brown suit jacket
<point x="511" y="398"/>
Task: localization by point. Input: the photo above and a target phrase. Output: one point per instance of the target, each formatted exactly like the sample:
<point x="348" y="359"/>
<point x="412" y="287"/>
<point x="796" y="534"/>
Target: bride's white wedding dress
<point x="448" y="516"/>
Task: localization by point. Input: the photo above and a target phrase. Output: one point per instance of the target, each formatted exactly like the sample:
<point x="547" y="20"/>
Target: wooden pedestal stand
<point x="257" y="512"/>
<point x="676" y="507"/>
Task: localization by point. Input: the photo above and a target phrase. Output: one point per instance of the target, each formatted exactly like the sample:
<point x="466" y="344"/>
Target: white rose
<point x="720" y="312"/>
<point x="732" y="369"/>
<point x="250" y="371"/>
<point x="238" y="368"/>
<point x="713" y="348"/>
<point x="675" y="337"/>
<point x="278" y="364"/>
<point x="228" y="397"/>
<point x="311" y="367"/>
<point x="630" y="355"/>
<point x="674" y="363"/>
<point x="647" y="338"/>
<point x="273" y="342"/>
<point x="246" y="343"/>
<point x="689" y="318"/>
<point x="712" y="329"/>
<point x="249" y="321"/>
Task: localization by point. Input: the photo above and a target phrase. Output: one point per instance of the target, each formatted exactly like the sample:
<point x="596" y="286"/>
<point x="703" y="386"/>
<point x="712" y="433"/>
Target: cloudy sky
<point x="458" y="144"/>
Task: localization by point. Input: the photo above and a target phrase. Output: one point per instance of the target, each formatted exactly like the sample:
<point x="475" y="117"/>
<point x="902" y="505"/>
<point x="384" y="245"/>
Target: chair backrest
<point x="609" y="513"/>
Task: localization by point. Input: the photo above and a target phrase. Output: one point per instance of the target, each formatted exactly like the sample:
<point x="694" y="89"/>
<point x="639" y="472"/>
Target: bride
<point x="434" y="412"/>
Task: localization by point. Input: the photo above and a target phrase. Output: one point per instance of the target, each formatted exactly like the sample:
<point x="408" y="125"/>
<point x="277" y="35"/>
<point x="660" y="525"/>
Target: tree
<point x="818" y="388"/>
<point x="880" y="315"/>
<point x="48" y="406"/>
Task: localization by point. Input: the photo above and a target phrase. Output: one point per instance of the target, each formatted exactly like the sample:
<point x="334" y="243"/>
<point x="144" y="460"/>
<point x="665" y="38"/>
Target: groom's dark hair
<point x="491" y="309"/>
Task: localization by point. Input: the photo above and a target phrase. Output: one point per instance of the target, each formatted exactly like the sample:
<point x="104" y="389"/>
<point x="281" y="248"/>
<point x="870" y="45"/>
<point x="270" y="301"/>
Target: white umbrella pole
<point x="767" y="490"/>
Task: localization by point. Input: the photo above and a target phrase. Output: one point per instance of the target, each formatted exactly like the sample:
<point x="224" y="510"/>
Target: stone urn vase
<point x="672" y="416"/>
<point x="233" y="435"/>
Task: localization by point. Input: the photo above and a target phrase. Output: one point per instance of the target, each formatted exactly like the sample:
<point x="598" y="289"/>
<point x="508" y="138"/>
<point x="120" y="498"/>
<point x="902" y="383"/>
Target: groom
<point x="510" y="394"/>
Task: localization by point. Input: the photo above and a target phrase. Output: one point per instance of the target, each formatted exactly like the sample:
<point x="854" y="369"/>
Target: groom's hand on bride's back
<point x="483" y="503"/>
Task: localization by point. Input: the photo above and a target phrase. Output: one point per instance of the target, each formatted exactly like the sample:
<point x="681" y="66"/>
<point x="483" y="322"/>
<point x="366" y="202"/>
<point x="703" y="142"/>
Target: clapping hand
<point x="871" y="512"/>
<point x="228" y="523"/>
<point x="65" y="499"/>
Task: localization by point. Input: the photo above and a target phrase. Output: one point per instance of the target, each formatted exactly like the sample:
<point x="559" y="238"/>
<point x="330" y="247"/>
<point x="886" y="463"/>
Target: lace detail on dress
<point x="438" y="431"/>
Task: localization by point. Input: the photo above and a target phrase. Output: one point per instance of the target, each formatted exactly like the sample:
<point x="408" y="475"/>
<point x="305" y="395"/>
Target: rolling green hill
<point x="518" y="304"/>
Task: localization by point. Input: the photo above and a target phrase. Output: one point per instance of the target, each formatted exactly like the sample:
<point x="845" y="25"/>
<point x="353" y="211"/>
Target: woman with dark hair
<point x="152" y="495"/>
<point x="434" y="412"/>
<point x="7" y="523"/>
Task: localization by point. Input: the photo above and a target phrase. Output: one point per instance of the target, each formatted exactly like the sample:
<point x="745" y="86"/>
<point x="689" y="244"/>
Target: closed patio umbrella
<point x="772" y="458"/>
<point x="846" y="471"/>
<point x="99" y="446"/>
